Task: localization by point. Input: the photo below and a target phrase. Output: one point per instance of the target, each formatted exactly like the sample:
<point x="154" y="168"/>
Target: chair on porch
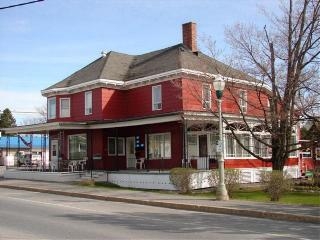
<point x="140" y="164"/>
<point x="72" y="166"/>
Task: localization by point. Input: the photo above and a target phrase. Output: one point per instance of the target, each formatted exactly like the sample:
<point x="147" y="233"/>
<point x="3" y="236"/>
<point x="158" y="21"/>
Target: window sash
<point x="77" y="146"/>
<point x="243" y="100"/>
<point x="206" y="96"/>
<point x="64" y="107"/>
<point x="156" y="97"/>
<point x="159" y="146"/>
<point x="116" y="146"/>
<point x="51" y="108"/>
<point x="88" y="103"/>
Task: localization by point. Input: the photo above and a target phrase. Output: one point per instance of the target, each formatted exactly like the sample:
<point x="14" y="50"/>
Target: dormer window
<point x="156" y="98"/>
<point x="88" y="103"/>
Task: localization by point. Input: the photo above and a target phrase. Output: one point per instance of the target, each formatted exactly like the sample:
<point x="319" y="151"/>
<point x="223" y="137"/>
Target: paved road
<point x="31" y="215"/>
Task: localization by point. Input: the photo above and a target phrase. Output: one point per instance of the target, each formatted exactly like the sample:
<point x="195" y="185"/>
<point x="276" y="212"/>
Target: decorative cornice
<point x="118" y="84"/>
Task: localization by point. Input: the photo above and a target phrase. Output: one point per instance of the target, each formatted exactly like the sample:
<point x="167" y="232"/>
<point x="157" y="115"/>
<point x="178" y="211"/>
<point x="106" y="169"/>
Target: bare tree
<point x="285" y="57"/>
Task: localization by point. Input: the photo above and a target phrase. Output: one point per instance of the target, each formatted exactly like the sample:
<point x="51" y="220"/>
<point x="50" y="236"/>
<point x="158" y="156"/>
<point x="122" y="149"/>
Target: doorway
<point x="131" y="152"/>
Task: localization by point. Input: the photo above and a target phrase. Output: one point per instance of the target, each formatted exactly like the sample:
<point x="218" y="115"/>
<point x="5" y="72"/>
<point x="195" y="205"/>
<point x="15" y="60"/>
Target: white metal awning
<point x="46" y="127"/>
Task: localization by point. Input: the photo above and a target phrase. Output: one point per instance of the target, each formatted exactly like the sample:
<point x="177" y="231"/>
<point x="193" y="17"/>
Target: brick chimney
<point x="189" y="34"/>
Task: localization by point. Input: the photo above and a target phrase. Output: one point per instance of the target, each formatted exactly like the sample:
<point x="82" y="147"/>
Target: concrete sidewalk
<point x="174" y="201"/>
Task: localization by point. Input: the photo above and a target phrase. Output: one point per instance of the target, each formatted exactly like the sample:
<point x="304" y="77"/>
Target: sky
<point x="43" y="43"/>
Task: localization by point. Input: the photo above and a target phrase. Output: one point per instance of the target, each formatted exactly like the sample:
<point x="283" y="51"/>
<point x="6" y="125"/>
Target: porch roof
<point x="46" y="127"/>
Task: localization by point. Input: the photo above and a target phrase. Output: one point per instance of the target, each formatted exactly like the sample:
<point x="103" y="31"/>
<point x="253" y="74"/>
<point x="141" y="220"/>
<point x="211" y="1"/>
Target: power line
<point x="20" y="4"/>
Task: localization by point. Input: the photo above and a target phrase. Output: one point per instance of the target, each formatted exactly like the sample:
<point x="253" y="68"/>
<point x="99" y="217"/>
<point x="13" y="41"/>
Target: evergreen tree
<point x="7" y="119"/>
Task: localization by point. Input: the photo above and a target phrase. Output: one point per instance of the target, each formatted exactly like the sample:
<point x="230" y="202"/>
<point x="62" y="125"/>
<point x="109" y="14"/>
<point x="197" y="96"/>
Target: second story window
<point x="88" y="103"/>
<point x="243" y="101"/>
<point x="206" y="96"/>
<point x="156" y="98"/>
<point x="64" y="107"/>
<point x="51" y="108"/>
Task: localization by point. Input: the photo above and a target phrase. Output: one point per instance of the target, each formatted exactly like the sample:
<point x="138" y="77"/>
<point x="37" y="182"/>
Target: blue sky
<point x="42" y="43"/>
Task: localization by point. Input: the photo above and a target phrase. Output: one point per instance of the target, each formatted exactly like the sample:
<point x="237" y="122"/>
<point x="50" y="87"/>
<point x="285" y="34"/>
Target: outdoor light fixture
<point x="222" y="194"/>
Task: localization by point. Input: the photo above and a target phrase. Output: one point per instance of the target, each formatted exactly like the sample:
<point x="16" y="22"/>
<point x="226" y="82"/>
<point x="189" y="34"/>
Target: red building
<point x="159" y="107"/>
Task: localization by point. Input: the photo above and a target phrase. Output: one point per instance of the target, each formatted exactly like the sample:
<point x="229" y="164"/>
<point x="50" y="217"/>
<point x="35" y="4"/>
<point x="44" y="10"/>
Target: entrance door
<point x="54" y="153"/>
<point x="130" y="152"/>
<point x="202" y="161"/>
<point x="203" y="146"/>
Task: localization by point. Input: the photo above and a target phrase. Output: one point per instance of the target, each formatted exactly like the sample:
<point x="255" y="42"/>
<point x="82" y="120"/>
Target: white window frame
<point x="243" y="98"/>
<point x="64" y="113"/>
<point x="52" y="108"/>
<point x="117" y="150"/>
<point x="164" y="150"/>
<point x="88" y="103"/>
<point x="156" y="98"/>
<point x="84" y="153"/>
<point x="206" y="96"/>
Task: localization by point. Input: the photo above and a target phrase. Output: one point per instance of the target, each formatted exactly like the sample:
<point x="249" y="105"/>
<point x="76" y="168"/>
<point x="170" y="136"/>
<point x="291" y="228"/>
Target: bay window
<point x="64" y="107"/>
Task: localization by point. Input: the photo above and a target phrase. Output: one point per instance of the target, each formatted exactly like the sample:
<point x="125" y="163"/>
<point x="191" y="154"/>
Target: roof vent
<point x="103" y="54"/>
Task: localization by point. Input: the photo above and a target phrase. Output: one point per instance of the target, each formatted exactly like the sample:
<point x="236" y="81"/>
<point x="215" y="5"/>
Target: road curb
<point x="180" y="206"/>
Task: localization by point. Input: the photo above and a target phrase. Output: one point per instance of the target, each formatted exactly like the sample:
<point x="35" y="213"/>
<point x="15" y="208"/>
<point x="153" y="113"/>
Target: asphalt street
<point x="31" y="215"/>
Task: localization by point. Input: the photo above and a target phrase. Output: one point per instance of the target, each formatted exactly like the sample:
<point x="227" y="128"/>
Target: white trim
<point x="135" y="82"/>
<point x="45" y="127"/>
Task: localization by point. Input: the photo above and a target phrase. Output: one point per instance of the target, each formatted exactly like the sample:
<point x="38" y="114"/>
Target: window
<point x="88" y="103"/>
<point x="77" y="146"/>
<point x="234" y="149"/>
<point x="261" y="149"/>
<point x="51" y="108"/>
<point x="159" y="145"/>
<point x="116" y="146"/>
<point x="156" y="98"/>
<point x="206" y="96"/>
<point x="317" y="153"/>
<point x="64" y="107"/>
<point x="243" y="101"/>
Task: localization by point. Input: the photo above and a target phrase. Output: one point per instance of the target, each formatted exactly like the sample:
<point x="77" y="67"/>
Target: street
<point x="31" y="215"/>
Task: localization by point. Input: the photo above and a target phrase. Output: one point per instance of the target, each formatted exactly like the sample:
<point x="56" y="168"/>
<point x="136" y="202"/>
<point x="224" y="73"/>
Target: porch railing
<point x="203" y="162"/>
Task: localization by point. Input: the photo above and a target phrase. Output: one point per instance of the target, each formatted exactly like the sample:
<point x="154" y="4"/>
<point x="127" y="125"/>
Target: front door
<point x="130" y="152"/>
<point x="203" y="146"/>
<point x="54" y="154"/>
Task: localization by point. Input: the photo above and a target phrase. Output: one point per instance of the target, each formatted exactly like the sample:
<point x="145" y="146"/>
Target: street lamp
<point x="222" y="194"/>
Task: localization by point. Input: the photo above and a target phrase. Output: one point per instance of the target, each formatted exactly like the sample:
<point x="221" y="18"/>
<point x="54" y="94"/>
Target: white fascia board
<point x="44" y="127"/>
<point x="133" y="83"/>
<point x="137" y="122"/>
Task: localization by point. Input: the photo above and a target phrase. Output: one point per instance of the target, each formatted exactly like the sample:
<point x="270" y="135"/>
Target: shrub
<point x="316" y="177"/>
<point x="276" y="183"/>
<point x="181" y="178"/>
<point x="231" y="177"/>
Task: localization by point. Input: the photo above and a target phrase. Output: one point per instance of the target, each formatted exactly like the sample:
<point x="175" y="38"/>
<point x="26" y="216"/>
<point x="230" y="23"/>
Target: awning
<point x="46" y="127"/>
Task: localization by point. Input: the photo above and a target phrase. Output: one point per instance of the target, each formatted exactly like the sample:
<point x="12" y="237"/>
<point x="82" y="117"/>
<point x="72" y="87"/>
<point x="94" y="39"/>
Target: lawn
<point x="300" y="198"/>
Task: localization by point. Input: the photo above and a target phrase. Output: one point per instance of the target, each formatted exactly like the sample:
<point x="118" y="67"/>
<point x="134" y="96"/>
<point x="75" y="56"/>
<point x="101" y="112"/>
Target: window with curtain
<point x="88" y="102"/>
<point x="77" y="146"/>
<point x="51" y="108"/>
<point x="206" y="96"/>
<point x="243" y="100"/>
<point x="159" y="145"/>
<point x="64" y="107"/>
<point x="156" y="98"/>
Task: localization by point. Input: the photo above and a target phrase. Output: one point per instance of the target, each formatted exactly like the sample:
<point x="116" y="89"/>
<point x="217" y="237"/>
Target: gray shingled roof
<point x="124" y="67"/>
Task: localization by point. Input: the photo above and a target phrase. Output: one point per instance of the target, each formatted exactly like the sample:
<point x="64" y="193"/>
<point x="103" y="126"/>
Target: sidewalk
<point x="175" y="201"/>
